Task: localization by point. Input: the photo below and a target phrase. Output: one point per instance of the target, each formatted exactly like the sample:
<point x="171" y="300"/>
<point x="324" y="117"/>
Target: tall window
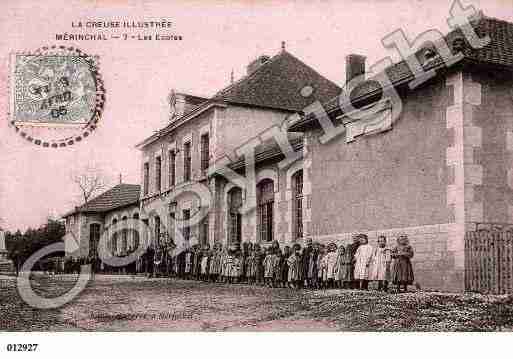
<point x="114" y="243"/>
<point x="124" y="237"/>
<point x="172" y="168"/>
<point x="157" y="230"/>
<point x="265" y="203"/>
<point x="204" y="231"/>
<point x="187" y="161"/>
<point x="186" y="214"/>
<point x="204" y="152"/>
<point x="146" y="177"/>
<point x="135" y="235"/>
<point x="234" y="216"/>
<point x="94" y="238"/>
<point x="135" y="240"/>
<point x="297" y="205"/>
<point x="114" y="239"/>
<point x="158" y="173"/>
<point x="171" y="226"/>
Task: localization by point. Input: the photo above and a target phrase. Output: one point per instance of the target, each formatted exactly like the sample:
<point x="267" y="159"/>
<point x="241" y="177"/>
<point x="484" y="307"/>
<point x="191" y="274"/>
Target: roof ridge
<point x="275" y="84"/>
<point x="249" y="76"/>
<point x="105" y="195"/>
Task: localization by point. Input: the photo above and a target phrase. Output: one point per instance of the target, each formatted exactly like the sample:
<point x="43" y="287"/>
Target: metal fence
<point x="489" y="260"/>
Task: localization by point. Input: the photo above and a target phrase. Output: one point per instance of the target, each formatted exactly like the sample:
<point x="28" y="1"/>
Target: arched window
<point x="124" y="237"/>
<point x="94" y="238"/>
<point x="135" y="240"/>
<point x="114" y="239"/>
<point x="297" y="204"/>
<point x="234" y="216"/>
<point x="134" y="236"/>
<point x="265" y="209"/>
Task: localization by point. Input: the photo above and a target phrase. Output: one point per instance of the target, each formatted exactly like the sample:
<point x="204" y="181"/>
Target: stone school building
<point x="434" y="172"/>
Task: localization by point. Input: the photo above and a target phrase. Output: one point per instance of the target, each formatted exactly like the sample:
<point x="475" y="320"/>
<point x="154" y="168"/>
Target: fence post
<point x="509" y="263"/>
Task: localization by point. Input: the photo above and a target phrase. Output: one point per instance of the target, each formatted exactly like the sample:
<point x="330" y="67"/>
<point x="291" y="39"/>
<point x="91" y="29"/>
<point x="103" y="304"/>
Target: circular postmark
<point x="56" y="95"/>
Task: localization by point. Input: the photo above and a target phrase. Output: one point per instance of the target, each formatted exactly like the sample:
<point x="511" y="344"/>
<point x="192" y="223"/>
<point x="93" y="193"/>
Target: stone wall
<point x="433" y="262"/>
<point x="444" y="166"/>
<point x="491" y="113"/>
<point x="409" y="179"/>
<point x="388" y="180"/>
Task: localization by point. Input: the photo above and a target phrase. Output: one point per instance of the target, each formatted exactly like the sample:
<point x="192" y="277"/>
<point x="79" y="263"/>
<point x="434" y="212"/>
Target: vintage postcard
<point x="247" y="166"/>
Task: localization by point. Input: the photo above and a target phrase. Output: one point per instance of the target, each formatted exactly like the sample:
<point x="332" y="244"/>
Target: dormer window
<point x="458" y="45"/>
<point x="429" y="54"/>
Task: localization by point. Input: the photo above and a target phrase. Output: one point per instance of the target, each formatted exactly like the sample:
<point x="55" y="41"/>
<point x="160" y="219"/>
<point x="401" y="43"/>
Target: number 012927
<point x="22" y="347"/>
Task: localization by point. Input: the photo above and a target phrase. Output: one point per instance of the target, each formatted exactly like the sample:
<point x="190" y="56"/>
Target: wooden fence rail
<point x="489" y="261"/>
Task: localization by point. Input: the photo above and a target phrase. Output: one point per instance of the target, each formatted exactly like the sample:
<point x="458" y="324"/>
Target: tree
<point x="90" y="181"/>
<point x="22" y="246"/>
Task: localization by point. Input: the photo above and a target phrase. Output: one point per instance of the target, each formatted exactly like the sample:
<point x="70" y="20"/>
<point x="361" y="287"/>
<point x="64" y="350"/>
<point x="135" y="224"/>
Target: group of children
<point x="315" y="266"/>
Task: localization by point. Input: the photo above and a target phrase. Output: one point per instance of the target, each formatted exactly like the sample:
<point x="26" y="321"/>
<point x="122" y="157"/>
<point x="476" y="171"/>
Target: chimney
<point x="355" y="66"/>
<point x="181" y="103"/>
<point x="255" y="64"/>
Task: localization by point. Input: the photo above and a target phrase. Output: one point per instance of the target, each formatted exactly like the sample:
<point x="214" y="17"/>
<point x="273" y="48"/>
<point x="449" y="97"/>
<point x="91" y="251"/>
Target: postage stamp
<point x="56" y="95"/>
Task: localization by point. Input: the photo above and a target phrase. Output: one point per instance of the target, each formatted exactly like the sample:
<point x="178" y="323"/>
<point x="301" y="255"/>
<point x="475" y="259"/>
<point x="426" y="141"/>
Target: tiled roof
<point x="118" y="196"/>
<point x="191" y="102"/>
<point x="498" y="52"/>
<point x="500" y="49"/>
<point x="277" y="83"/>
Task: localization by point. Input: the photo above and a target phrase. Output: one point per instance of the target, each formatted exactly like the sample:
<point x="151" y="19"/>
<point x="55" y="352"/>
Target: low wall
<point x="438" y="263"/>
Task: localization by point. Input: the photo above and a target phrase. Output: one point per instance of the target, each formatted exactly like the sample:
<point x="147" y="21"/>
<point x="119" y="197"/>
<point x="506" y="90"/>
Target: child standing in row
<point x="340" y="268"/>
<point x="224" y="266"/>
<point x="285" y="266"/>
<point x="259" y="267"/>
<point x="188" y="263"/>
<point x="329" y="261"/>
<point x="227" y="267"/>
<point x="235" y="267"/>
<point x="251" y="267"/>
<point x="215" y="264"/>
<point x="402" y="271"/>
<point x="362" y="260"/>
<point x="247" y="248"/>
<point x="311" y="266"/>
<point x="379" y="269"/>
<point x="294" y="263"/>
<point x="278" y="269"/>
<point x="269" y="267"/>
<point x="320" y="264"/>
<point x="205" y="263"/>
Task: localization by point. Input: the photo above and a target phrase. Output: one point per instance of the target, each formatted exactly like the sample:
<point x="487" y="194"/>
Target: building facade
<point x="86" y="224"/>
<point x="441" y="168"/>
<point x="215" y="133"/>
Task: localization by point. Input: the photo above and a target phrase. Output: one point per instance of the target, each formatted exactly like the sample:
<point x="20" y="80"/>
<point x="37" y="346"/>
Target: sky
<point x="218" y="37"/>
